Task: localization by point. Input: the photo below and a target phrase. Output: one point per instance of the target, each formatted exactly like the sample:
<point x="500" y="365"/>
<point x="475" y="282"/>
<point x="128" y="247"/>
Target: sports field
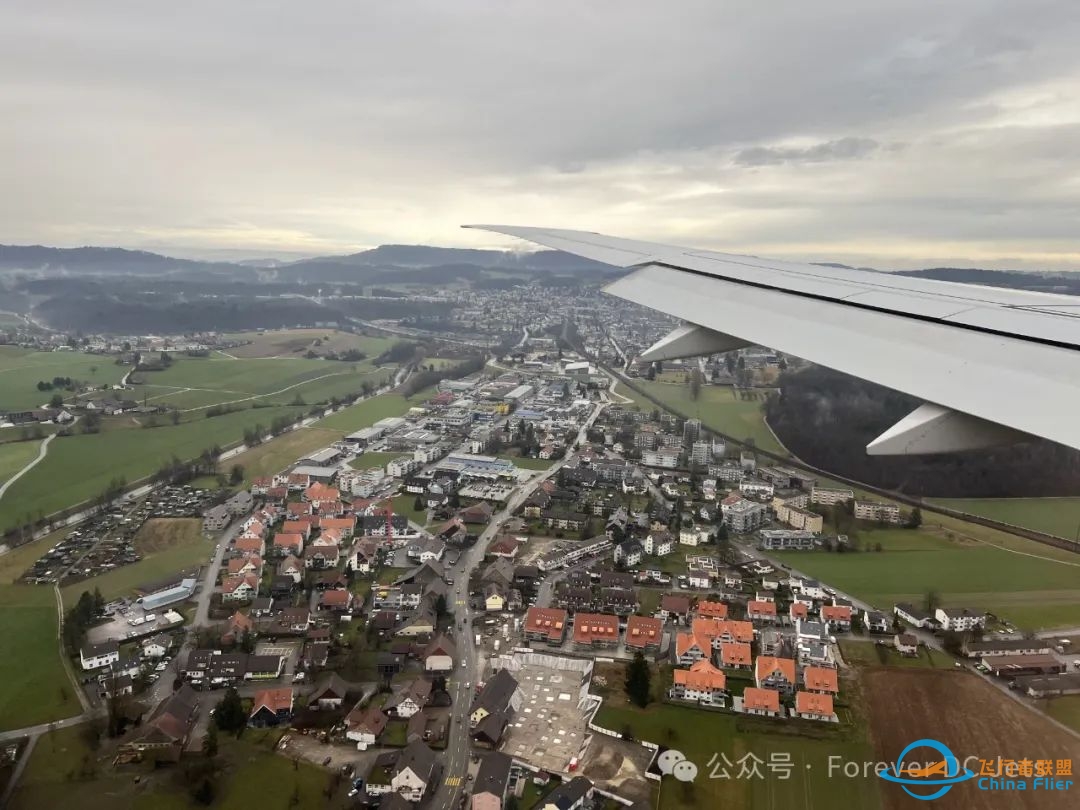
<point x="78" y="468"/>
<point x="719" y="409"/>
<point x="21" y="370"/>
<point x="168" y="546"/>
<point x="1035" y="586"/>
<point x="36" y="688"/>
<point x="1056" y="516"/>
<point x="706" y="738"/>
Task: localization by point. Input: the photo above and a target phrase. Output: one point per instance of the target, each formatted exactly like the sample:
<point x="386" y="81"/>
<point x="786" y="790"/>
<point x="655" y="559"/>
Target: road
<point x="42" y="452"/>
<point x="458" y="751"/>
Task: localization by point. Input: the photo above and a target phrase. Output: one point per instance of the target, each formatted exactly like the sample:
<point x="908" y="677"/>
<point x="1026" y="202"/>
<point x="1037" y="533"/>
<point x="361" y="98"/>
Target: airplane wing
<point x="992" y="365"/>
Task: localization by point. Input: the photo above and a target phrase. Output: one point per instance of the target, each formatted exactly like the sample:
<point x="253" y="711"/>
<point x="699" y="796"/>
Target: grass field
<point x="1056" y="516"/>
<point x="296" y="342"/>
<point x="36" y="688"/>
<point x="720" y="410"/>
<point x="403" y="505"/>
<point x="79" y="467"/>
<point x="869" y="654"/>
<point x="16" y="455"/>
<point x="63" y="765"/>
<point x="273" y="456"/>
<point x="196" y="382"/>
<point x="1065" y="710"/>
<point x="366" y="413"/>
<point x="369" y="460"/>
<point x="21" y="369"/>
<point x="528" y="463"/>
<point x="1028" y="583"/>
<point x="168" y="546"/>
<point x="702" y="735"/>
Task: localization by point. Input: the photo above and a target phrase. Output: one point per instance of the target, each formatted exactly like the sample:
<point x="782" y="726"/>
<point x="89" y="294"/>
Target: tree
<point x="638" y="681"/>
<point x="236" y="474"/>
<point x="56" y="401"/>
<point x="210" y="743"/>
<point x="931" y="601"/>
<point x="695" y="383"/>
<point x="440" y="605"/>
<point x="914" y="520"/>
<point x="230" y="715"/>
<point x="418" y="504"/>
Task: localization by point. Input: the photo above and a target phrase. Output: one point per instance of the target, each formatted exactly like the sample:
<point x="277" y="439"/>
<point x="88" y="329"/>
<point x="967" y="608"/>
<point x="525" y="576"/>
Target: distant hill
<point x="99" y="261"/>
<point x="1067" y="283"/>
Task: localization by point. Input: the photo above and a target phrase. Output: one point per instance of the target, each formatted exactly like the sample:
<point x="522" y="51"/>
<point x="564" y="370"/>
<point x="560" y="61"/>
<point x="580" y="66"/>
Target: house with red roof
<point x="593" y="630"/>
<point x="271" y="707"/>
<point x="643" y="633"/>
<point x="336" y="601"/>
<point x="811" y="706"/>
<point x="702" y="683"/>
<point x="761" y="611"/>
<point x="775" y="673"/>
<point x="798" y="611"/>
<point x="240" y="588"/>
<point x="763" y="702"/>
<point x="546" y="624"/>
<point x="837" y="617"/>
<point x="820" y="680"/>
<point x="250" y="545"/>
<point x="286" y="543"/>
<point x="707" y="609"/>
<point x="736" y="655"/>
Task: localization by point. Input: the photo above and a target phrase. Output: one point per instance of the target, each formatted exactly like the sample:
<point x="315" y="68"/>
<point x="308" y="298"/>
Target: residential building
<point x="546" y="624"/>
<point x="960" y="619"/>
<point x="827" y="497"/>
<point x="877" y="511"/>
<point x="595" y="630"/>
<point x="821" y="679"/>
<point x="364" y="726"/>
<point x="711" y="610"/>
<point x="800" y="519"/>
<point x="628" y="553"/>
<point x="96" y="656"/>
<point x="775" y="673"/>
<point x="644" y="633"/>
<point x="271" y="707"/>
<point x="665" y="457"/>
<point x="837" y="617"/>
<point x="1019" y="646"/>
<point x="702" y="683"/>
<point x="329" y="692"/>
<point x="764" y="702"/>
<point x="659" y="543"/>
<point x="415" y="772"/>
<point x="906" y="644"/>
<point x="571" y="795"/>
<point x="761" y="611"/>
<point x="914" y="616"/>
<point x="809" y="706"/>
<point x="786" y="540"/>
<point x="741" y="516"/>
<point x="736" y="655"/>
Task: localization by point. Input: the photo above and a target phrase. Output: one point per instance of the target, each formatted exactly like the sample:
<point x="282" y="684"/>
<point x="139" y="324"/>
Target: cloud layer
<point x="899" y="133"/>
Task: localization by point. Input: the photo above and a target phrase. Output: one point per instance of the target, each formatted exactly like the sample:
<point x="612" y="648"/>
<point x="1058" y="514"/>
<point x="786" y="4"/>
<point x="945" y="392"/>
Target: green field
<point x="701" y="735"/>
<point x="366" y="413"/>
<point x="168" y="546"/>
<point x="16" y="455"/>
<point x="277" y="454"/>
<point x="79" y="467"/>
<point x="403" y="505"/>
<point x="21" y="369"/>
<point x="1039" y="591"/>
<point x="196" y="382"/>
<point x="63" y="765"/>
<point x="297" y="342"/>
<point x="369" y="460"/>
<point x="720" y="410"/>
<point x="1057" y="516"/>
<point x="528" y="463"/>
<point x="1065" y="710"/>
<point x="868" y="654"/>
<point x="36" y="688"/>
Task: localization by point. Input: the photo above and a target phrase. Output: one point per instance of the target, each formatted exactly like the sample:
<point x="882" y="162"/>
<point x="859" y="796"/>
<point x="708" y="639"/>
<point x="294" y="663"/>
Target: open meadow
<point x="1033" y="585"/>
<point x="16" y="455"/>
<point x="719" y="409"/>
<point x="1056" y="516"/>
<point x="297" y="342"/>
<point x="79" y="467"/>
<point x="64" y="762"/>
<point x="22" y="369"/>
<point x="36" y="688"/>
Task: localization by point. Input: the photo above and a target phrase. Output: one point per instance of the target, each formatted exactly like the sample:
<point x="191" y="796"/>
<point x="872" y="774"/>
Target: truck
<point x="477" y="639"/>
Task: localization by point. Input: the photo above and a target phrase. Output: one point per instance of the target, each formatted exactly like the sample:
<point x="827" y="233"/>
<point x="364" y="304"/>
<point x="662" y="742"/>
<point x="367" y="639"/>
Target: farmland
<point x="1057" y="516"/>
<point x="368" y="460"/>
<point x="16" y="455"/>
<point x="1028" y="583"/>
<point x="167" y="546"/>
<point x="274" y="455"/>
<point x="702" y="735"/>
<point x="196" y="382"/>
<point x="79" y="467"/>
<point x="366" y="413"/>
<point x="297" y="342"/>
<point x="719" y="409"/>
<point x="21" y="370"/>
<point x="968" y="715"/>
<point x="867" y="654"/>
<point x="36" y="688"/>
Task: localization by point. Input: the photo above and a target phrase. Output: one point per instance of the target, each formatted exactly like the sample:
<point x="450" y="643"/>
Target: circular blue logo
<point x="941" y="775"/>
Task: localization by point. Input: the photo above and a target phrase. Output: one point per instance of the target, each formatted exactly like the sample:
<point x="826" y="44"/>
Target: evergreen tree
<point x="210" y="743"/>
<point x="638" y="680"/>
<point x="230" y="715"/>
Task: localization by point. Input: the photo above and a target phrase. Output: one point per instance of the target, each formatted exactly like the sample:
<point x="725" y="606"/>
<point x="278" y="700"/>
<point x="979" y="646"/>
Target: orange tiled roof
<point x="275" y="700"/>
<point x="767" y="665"/>
<point x="702" y="675"/>
<point x="590" y="627"/>
<point x="546" y="620"/>
<point x="754" y="698"/>
<point x="821" y="679"/>
<point x="735" y="654"/>
<point x="808" y="703"/>
<point x="798" y="610"/>
<point x="712" y="610"/>
<point x="836" y="613"/>
<point x="643" y="630"/>
<point x="760" y="608"/>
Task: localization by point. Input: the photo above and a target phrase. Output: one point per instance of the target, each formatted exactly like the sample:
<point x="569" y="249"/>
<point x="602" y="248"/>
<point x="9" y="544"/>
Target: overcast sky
<point x="893" y="134"/>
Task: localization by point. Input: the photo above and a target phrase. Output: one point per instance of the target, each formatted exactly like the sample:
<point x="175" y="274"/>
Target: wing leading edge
<point x="992" y="364"/>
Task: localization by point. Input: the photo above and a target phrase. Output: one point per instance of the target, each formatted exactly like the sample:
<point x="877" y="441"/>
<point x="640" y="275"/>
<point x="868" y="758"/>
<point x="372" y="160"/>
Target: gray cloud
<point x="208" y="126"/>
<point x="849" y="148"/>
